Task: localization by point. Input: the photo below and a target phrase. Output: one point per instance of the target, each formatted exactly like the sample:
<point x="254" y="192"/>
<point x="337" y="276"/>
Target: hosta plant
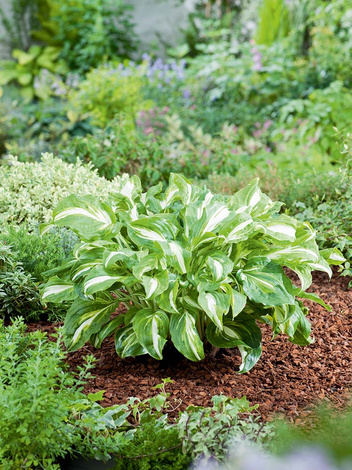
<point x="189" y="266"/>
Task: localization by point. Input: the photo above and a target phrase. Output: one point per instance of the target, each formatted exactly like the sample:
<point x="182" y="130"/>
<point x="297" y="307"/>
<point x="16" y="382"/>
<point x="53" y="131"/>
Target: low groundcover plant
<point x="188" y="266"/>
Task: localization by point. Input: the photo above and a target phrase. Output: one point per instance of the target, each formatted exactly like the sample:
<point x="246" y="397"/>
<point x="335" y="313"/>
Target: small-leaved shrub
<point x="189" y="266"/>
<point x="29" y="191"/>
<point x="18" y="292"/>
<point x="44" y="414"/>
<point x="109" y="91"/>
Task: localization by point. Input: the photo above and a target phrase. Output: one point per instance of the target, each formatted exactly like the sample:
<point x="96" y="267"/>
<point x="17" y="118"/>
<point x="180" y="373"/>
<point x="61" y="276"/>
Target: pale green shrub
<point x="29" y="191"/>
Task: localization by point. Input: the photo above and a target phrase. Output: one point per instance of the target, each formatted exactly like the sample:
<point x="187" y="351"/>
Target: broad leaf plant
<point x="188" y="266"/>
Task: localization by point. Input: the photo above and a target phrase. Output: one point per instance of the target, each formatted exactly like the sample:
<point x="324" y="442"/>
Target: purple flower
<point x="186" y="94"/>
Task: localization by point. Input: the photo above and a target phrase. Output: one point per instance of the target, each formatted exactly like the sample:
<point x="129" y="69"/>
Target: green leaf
<point x="185" y="337"/>
<point x="155" y="228"/>
<point x="244" y="333"/>
<point x="215" y="305"/>
<point x="265" y="282"/>
<point x="25" y="79"/>
<point x="58" y="290"/>
<point x="220" y="265"/>
<point x="155" y="285"/>
<point x="238" y="300"/>
<point x="86" y="317"/>
<point x="86" y="216"/>
<point x="280" y="227"/>
<point x="310" y="296"/>
<point x="109" y="328"/>
<point x="99" y="279"/>
<point x="152" y="329"/>
<point x="333" y="256"/>
<point x="167" y="300"/>
<point x="127" y="344"/>
<point x="120" y="257"/>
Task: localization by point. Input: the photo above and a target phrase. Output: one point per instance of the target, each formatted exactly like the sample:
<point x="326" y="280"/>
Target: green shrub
<point x="88" y="31"/>
<point x="44" y="414"/>
<point x="28" y="69"/>
<point x="29" y="191"/>
<point x="38" y="254"/>
<point x="109" y="91"/>
<point x="207" y="434"/>
<point x="18" y="292"/>
<point x="149" y="441"/>
<point x="188" y="266"/>
<point x="282" y="185"/>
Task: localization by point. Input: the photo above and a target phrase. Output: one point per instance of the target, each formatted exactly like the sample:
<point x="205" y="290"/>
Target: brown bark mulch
<point x="288" y="379"/>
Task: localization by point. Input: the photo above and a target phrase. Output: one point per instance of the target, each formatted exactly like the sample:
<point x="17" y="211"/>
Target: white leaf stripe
<point x="98" y="280"/>
<point x="211" y="302"/>
<point x="57" y="289"/>
<point x="84" y="268"/>
<point x="94" y="213"/>
<point x="255" y="198"/>
<point x="177" y="251"/>
<point x="155" y="336"/>
<point x="305" y="253"/>
<point x="149" y="234"/>
<point x="232" y="235"/>
<point x="216" y="219"/>
<point x="284" y="229"/>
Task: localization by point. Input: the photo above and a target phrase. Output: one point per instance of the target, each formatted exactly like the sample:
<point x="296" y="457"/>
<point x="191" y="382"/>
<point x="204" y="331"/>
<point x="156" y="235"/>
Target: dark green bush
<point x="38" y="254"/>
<point x="148" y="440"/>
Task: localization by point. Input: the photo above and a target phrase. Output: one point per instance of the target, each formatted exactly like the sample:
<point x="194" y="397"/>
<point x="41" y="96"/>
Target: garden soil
<point x="288" y="379"/>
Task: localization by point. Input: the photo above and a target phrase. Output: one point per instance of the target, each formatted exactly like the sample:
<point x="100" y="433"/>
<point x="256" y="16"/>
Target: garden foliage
<point x="29" y="191"/>
<point x="188" y="266"/>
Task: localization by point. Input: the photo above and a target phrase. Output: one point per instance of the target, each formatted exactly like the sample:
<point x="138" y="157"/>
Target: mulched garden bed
<point x="288" y="379"/>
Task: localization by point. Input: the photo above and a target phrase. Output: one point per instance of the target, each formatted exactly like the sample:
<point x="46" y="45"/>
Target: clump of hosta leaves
<point x="189" y="267"/>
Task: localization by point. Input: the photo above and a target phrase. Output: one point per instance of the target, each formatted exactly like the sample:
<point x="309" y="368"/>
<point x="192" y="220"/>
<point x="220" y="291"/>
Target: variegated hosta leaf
<point x="333" y="256"/>
<point x="311" y="296"/>
<point x="128" y="192"/>
<point x="251" y="199"/>
<point x="237" y="299"/>
<point x="167" y="300"/>
<point x="58" y="290"/>
<point x="298" y="327"/>
<point x="215" y="305"/>
<point x="281" y="227"/>
<point x="149" y="263"/>
<point x="205" y="217"/>
<point x="152" y="330"/>
<point x="108" y="329"/>
<point x="86" y="317"/>
<point x="127" y="344"/>
<point x="244" y="333"/>
<point x="219" y="265"/>
<point x="180" y="188"/>
<point x="100" y="279"/>
<point x="177" y="256"/>
<point x="185" y="336"/>
<point x="237" y="227"/>
<point x="146" y="231"/>
<point x="86" y="216"/>
<point x="155" y="285"/>
<point x="120" y="257"/>
<point x="265" y="282"/>
<point x="321" y="265"/>
<point x="82" y="268"/>
<point x="302" y="328"/>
